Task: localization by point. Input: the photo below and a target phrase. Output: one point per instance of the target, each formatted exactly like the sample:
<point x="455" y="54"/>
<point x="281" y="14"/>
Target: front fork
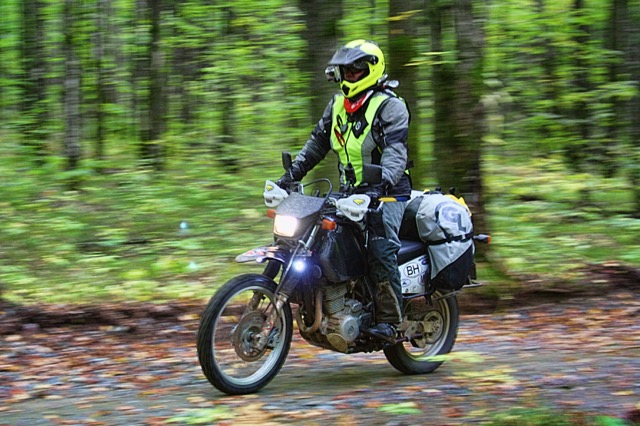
<point x="292" y="275"/>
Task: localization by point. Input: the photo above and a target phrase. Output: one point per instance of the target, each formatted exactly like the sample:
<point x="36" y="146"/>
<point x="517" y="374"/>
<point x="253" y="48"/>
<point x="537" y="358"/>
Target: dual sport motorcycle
<point x="316" y="272"/>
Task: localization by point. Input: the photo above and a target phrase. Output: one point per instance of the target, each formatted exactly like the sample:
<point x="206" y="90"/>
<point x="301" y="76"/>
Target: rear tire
<point x="229" y="350"/>
<point x="437" y="326"/>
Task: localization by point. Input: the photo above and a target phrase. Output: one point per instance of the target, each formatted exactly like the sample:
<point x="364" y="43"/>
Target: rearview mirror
<point x="286" y="160"/>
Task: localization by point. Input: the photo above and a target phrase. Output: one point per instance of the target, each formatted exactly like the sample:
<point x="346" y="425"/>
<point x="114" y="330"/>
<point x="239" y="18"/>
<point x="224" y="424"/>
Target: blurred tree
<point x="34" y="82"/>
<point x="469" y="114"/>
<point x="189" y="38"/>
<point x="442" y="80"/>
<point x="104" y="60"/>
<point x="544" y="54"/>
<point x="160" y="74"/>
<point x="224" y="146"/>
<point x="10" y="67"/>
<point x="579" y="112"/>
<point x="72" y="93"/>
<point x="195" y="40"/>
<point x="322" y="36"/>
<point x="150" y="95"/>
<point x="152" y="145"/>
<point x="403" y="38"/>
<point x="458" y="88"/>
<point x="625" y="30"/>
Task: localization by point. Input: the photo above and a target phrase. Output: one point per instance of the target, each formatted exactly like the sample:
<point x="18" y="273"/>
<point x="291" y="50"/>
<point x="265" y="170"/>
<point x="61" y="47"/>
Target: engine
<point x="342" y="317"/>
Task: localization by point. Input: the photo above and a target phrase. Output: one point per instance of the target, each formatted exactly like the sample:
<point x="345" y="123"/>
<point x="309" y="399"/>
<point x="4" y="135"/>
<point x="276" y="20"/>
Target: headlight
<point x="285" y="226"/>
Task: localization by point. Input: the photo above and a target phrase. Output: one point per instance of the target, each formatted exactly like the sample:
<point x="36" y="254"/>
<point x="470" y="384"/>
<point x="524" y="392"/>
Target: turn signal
<point x="271" y="213"/>
<point x="328" y="225"/>
<point x="482" y="238"/>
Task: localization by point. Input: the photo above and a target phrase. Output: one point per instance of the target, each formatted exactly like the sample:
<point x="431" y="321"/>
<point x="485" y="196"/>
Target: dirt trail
<point x="581" y="355"/>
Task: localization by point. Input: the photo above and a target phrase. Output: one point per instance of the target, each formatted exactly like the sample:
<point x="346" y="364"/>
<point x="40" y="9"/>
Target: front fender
<point x="265" y="253"/>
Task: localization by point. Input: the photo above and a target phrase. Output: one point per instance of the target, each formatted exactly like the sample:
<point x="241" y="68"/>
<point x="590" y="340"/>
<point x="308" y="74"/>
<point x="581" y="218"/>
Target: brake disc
<point x="245" y="337"/>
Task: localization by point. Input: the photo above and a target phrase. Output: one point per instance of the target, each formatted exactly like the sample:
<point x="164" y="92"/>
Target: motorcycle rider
<point x="367" y="124"/>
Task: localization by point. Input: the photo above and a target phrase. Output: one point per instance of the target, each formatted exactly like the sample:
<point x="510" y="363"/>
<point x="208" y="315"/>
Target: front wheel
<point x="432" y="328"/>
<point x="242" y="341"/>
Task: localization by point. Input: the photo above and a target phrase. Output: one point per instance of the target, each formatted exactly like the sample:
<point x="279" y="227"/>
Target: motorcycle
<point x="319" y="252"/>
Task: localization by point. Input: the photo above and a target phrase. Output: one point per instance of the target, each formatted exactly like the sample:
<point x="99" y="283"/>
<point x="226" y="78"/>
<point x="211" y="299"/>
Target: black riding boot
<point x="384" y="273"/>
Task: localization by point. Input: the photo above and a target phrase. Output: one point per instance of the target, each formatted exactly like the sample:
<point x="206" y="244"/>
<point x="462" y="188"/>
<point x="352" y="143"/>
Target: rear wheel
<point x="432" y="329"/>
<point x="242" y="341"/>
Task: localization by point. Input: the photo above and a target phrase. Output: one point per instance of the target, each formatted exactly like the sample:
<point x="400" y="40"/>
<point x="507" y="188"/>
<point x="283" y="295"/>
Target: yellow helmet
<point x="362" y="55"/>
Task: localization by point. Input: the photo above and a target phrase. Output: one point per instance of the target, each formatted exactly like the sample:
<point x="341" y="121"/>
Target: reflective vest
<point x="351" y="138"/>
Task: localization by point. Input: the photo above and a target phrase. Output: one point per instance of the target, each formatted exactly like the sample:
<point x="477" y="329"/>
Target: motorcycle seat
<point x="410" y="250"/>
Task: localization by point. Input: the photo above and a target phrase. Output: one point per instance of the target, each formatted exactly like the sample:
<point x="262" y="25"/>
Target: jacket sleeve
<point x="316" y="147"/>
<point x="393" y="123"/>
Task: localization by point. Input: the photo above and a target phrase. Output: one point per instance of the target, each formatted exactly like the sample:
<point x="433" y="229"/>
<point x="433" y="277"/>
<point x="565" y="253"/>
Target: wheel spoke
<point x="431" y="330"/>
<point x="239" y="349"/>
<point x="238" y="353"/>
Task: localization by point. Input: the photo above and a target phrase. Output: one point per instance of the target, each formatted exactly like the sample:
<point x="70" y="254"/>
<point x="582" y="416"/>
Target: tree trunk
<point x="141" y="77"/>
<point x="188" y="67"/>
<point x="322" y="36"/>
<point x="630" y="36"/>
<point x="150" y="97"/>
<point x="581" y="78"/>
<point x="224" y="145"/>
<point x="157" y="98"/>
<point x="402" y="50"/>
<point x="442" y="81"/>
<point x="547" y="60"/>
<point x="459" y="116"/>
<point x="34" y="82"/>
<point x="104" y="59"/>
<point x="72" y="94"/>
<point x="469" y="114"/>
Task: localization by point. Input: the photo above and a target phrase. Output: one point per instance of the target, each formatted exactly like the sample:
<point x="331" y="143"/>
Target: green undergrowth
<point x="133" y="234"/>
<point x="550" y="417"/>
<point x="128" y="234"/>
<point x="547" y="222"/>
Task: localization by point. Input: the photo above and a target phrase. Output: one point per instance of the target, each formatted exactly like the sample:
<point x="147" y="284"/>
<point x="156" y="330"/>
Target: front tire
<point x="238" y="353"/>
<point x="435" y="327"/>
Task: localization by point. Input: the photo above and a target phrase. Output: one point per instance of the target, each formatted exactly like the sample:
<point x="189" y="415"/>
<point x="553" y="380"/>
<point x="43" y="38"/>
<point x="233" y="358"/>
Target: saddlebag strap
<point x="465" y="237"/>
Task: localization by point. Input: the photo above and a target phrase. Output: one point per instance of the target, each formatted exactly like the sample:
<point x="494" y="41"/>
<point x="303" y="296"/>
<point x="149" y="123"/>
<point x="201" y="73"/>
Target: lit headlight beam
<point x="299" y="265"/>
<point x="285" y="226"/>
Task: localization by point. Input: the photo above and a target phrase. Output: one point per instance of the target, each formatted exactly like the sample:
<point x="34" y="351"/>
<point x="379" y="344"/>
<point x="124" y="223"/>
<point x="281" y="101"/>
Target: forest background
<point x="135" y="136"/>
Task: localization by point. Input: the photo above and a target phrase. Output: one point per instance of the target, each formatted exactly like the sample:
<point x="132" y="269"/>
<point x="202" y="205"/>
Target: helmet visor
<point x="350" y="55"/>
<point x="359" y="65"/>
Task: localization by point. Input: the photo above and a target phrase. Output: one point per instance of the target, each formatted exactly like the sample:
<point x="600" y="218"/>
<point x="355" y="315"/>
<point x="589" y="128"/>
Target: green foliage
<point x="203" y="416"/>
<point x="368" y="21"/>
<point x="401" y="408"/>
<point x="531" y="417"/>
<point x="556" y="65"/>
<point x="121" y="237"/>
<point x="235" y="92"/>
<point x="550" y="417"/>
<point x="547" y="221"/>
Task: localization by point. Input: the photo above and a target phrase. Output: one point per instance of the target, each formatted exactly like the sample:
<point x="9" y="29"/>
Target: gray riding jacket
<point x="382" y="142"/>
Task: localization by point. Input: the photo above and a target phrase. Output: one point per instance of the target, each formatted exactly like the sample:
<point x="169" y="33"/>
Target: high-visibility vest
<point x="348" y="138"/>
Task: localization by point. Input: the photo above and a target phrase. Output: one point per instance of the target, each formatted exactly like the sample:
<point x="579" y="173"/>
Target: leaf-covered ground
<point x="579" y="355"/>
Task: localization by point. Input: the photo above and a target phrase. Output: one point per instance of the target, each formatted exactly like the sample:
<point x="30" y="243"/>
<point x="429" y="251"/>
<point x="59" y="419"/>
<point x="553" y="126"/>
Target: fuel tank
<point x="342" y="255"/>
